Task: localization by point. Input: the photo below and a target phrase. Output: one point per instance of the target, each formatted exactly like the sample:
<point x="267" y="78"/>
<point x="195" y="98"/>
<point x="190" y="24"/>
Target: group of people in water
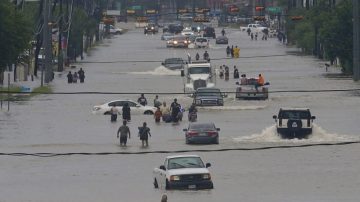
<point x="224" y="72"/>
<point x="233" y="52"/>
<point x="72" y="78"/>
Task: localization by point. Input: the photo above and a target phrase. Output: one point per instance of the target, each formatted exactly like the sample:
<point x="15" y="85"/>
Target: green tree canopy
<point x="15" y="34"/>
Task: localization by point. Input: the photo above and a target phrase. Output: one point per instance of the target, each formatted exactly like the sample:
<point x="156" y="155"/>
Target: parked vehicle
<point x="222" y="40"/>
<point x="183" y="172"/>
<point x="208" y="97"/>
<point x="294" y="122"/>
<point x="201" y="42"/>
<point x="198" y="74"/>
<point x="135" y="107"/>
<point x="115" y="30"/>
<point x="174" y="63"/>
<point x="203" y="133"/>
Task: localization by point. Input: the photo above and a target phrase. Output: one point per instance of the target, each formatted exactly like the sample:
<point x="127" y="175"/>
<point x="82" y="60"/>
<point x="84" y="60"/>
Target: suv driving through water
<point x="208" y="97"/>
<point x="294" y="122"/>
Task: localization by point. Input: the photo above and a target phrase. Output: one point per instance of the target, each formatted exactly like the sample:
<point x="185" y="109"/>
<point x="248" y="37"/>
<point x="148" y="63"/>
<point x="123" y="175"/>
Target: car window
<point x="185" y="162"/>
<point x="294" y="114"/>
<point x="202" y="127"/>
<point x="199" y="70"/>
<point x="116" y="104"/>
<point x="201" y="40"/>
<point x="131" y="104"/>
<point x="209" y="92"/>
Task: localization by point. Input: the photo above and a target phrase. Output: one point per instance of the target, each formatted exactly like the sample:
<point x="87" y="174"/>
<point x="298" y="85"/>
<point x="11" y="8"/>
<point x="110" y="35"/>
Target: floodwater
<point x="64" y="124"/>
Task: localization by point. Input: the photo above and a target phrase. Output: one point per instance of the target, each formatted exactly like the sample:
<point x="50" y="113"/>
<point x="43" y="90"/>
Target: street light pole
<point x="356" y="40"/>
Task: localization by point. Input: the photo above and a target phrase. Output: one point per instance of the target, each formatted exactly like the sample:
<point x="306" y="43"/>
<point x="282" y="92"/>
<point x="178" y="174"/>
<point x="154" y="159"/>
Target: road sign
<point x="136" y="7"/>
<point x="274" y="9"/>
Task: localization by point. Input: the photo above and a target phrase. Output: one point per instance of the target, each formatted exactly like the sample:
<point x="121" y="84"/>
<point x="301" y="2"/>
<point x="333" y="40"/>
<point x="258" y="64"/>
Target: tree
<point x="15" y="35"/>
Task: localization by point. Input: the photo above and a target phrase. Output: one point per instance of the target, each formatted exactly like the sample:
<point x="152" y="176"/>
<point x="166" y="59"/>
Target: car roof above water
<point x="182" y="156"/>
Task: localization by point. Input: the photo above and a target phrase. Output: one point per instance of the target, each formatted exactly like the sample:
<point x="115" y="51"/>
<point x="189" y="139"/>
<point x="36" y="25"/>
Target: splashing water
<point x="319" y="135"/>
<point x="161" y="70"/>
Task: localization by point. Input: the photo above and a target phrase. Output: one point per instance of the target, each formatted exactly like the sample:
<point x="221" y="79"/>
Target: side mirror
<point x="313" y="117"/>
<point x="218" y="129"/>
<point x="208" y="165"/>
<point x="184" y="129"/>
<point x="162" y="167"/>
<point x="274" y="117"/>
<point x="182" y="73"/>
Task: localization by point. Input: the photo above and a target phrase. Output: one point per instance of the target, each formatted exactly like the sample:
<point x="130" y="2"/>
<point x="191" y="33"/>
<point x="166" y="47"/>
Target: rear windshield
<point x="202" y="127"/>
<point x="174" y="61"/>
<point x="201" y="40"/>
<point x="294" y="114"/>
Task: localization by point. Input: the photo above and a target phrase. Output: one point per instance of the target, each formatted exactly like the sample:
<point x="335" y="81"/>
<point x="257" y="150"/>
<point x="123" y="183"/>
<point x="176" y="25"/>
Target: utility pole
<point x="60" y="52"/>
<point x="356" y="40"/>
<point x="47" y="66"/>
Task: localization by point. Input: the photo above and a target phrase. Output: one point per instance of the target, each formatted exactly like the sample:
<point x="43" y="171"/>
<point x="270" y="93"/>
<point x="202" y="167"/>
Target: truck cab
<point x="198" y="74"/>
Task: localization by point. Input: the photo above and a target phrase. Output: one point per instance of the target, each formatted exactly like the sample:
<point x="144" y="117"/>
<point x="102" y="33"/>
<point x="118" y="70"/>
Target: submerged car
<point x="174" y="63"/>
<point x="208" y="97"/>
<point x="135" y="107"/>
<point x="294" y="123"/>
<point x="222" y="40"/>
<point x="183" y="172"/>
<point x="202" y="133"/>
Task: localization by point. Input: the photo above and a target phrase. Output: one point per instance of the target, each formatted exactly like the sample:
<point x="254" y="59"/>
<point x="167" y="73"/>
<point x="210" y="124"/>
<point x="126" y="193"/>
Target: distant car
<point x="187" y="33"/>
<point x="205" y="133"/>
<point x="151" y="28"/>
<point x="197" y="27"/>
<point x="167" y="36"/>
<point x="208" y="97"/>
<point x="222" y="40"/>
<point x="173" y="28"/>
<point x="294" y="122"/>
<point x="201" y="42"/>
<point x="183" y="172"/>
<point x="115" y="30"/>
<point x="178" y="42"/>
<point x="135" y="107"/>
<point x="209" y="32"/>
<point x="174" y="63"/>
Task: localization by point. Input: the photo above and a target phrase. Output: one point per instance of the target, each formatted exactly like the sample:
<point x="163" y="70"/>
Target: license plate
<point x="192" y="186"/>
<point x="203" y="134"/>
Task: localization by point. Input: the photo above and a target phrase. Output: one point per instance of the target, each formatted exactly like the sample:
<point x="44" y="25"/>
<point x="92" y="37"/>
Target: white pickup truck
<point x="253" y="28"/>
<point x="183" y="172"/>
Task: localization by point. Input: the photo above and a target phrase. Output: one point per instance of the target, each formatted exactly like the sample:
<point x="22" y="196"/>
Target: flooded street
<point x="64" y="123"/>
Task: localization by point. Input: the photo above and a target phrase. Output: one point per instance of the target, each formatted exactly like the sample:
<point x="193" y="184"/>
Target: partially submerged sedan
<point x="174" y="63"/>
<point x="183" y="172"/>
<point x="203" y="133"/>
<point x="135" y="107"/>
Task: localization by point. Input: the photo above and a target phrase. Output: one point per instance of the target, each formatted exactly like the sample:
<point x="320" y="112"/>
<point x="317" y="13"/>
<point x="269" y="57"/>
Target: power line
<point x="177" y="93"/>
<point x="178" y="151"/>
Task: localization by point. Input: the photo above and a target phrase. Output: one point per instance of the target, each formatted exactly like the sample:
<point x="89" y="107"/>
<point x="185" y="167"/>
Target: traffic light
<point x="259" y="18"/>
<point x="259" y="8"/>
<point x="296" y="18"/>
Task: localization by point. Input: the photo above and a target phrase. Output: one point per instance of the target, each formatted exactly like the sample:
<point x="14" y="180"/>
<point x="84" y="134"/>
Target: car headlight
<point x="206" y="176"/>
<point x="197" y="102"/>
<point x="174" y="178"/>
<point x="96" y="108"/>
<point x="152" y="27"/>
<point x="175" y="42"/>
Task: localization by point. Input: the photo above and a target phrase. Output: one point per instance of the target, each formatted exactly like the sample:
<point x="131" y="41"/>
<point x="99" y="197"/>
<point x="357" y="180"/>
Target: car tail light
<point x="192" y="133"/>
<point x="212" y="133"/>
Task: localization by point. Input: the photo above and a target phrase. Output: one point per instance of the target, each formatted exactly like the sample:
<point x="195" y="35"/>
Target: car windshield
<point x="294" y="114"/>
<point x="201" y="40"/>
<point x="174" y="61"/>
<point x="199" y="70"/>
<point x="213" y="92"/>
<point x="185" y="162"/>
<point x="202" y="127"/>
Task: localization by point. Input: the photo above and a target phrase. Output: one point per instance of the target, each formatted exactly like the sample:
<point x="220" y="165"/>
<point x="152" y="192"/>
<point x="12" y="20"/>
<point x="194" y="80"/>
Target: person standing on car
<point x="124" y="132"/>
<point x="144" y="133"/>
<point x="126" y="112"/>
<point x="142" y="100"/>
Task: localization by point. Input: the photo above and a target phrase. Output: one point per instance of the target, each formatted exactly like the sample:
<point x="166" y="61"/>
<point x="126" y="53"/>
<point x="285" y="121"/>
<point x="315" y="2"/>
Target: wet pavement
<point x="64" y="123"/>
